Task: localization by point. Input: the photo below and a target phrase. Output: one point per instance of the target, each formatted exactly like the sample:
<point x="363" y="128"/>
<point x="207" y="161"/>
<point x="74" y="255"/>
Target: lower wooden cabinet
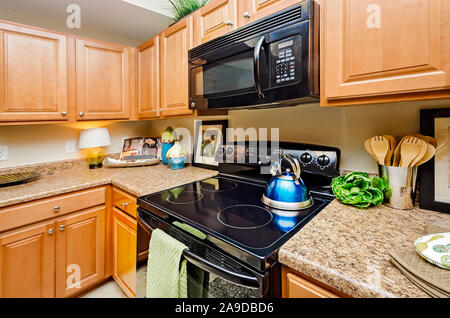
<point x="293" y="286"/>
<point x="27" y="262"/>
<point x="80" y="246"/>
<point x="124" y="251"/>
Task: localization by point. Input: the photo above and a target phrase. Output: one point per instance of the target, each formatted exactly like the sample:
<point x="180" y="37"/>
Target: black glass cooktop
<point x="231" y="210"/>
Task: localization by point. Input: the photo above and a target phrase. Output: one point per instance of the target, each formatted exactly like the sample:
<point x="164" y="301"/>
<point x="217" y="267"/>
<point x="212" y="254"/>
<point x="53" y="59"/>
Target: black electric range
<point x="228" y="229"/>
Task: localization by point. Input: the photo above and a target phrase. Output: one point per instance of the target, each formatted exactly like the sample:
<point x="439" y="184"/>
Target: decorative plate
<point x="435" y="248"/>
<point x="16" y="178"/>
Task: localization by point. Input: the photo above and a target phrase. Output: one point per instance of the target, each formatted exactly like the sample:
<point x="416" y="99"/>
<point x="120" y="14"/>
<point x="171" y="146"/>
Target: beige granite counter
<point x="347" y="248"/>
<point x="136" y="181"/>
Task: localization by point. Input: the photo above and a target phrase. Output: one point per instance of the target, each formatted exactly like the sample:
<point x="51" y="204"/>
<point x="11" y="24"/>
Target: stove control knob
<point x="306" y="158"/>
<point x="323" y="161"/>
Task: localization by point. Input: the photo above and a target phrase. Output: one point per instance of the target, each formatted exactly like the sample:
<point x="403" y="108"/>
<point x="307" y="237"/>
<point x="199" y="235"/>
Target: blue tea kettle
<point x="286" y="190"/>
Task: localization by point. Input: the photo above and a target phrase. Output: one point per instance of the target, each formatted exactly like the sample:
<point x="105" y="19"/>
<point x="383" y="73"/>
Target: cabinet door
<point x="215" y="19"/>
<point x="148" y="79"/>
<point x="373" y="48"/>
<point x="33" y="74"/>
<point x="27" y="262"/>
<point x="80" y="246"/>
<point x="124" y="246"/>
<point x="175" y="43"/>
<point x="252" y="10"/>
<point x="296" y="287"/>
<point x="102" y="80"/>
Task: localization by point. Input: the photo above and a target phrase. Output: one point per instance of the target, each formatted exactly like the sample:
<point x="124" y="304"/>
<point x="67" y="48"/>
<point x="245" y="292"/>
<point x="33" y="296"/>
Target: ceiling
<point x="127" y="22"/>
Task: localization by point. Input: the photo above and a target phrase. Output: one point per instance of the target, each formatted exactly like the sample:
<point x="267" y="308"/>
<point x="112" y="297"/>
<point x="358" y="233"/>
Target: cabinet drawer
<point x="124" y="202"/>
<point x="35" y="211"/>
<point x="297" y="287"/>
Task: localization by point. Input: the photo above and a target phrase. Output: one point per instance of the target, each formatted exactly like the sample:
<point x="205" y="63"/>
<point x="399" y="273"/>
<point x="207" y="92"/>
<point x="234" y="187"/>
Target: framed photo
<point x="435" y="174"/>
<point x="208" y="137"/>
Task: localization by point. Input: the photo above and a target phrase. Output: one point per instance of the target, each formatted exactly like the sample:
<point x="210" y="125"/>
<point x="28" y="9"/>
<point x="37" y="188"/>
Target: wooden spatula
<point x="421" y="153"/>
<point x="369" y="149"/>
<point x="428" y="155"/>
<point x="397" y="155"/>
<point x="427" y="139"/>
<point x="392" y="145"/>
<point x="409" y="150"/>
<point x="380" y="147"/>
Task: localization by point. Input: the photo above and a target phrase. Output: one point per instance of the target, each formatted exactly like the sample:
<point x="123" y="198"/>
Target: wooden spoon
<point x="380" y="147"/>
<point x="369" y="149"/>
<point x="397" y="155"/>
<point x="392" y="145"/>
<point x="411" y="147"/>
<point x="422" y="152"/>
<point x="428" y="155"/>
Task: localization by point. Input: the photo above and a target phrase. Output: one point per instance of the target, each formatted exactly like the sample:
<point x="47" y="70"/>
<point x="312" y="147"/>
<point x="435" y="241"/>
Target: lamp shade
<point x="96" y="137"/>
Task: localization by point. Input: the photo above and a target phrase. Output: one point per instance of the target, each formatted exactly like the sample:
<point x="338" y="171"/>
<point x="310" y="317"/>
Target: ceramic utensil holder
<point x="402" y="181"/>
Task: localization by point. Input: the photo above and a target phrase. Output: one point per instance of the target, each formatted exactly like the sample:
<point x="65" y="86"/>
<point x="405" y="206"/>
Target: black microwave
<point x="271" y="62"/>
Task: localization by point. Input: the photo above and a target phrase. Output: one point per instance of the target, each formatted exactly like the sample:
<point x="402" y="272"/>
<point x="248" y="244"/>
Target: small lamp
<point x="93" y="140"/>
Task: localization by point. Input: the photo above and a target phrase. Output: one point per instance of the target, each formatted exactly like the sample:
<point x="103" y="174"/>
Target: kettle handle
<point x="294" y="164"/>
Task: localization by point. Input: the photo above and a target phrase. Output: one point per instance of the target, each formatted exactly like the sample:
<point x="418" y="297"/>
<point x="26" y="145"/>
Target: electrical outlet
<point x="71" y="146"/>
<point x="3" y="153"/>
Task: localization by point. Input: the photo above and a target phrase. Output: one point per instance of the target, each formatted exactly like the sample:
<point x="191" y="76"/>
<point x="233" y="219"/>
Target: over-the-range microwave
<point x="270" y="62"/>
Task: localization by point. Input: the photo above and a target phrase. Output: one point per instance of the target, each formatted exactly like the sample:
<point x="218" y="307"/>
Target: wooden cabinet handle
<point x="56" y="209"/>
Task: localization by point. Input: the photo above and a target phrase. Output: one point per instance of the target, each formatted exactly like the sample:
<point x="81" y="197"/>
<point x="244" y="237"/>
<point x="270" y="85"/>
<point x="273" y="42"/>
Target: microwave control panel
<point x="286" y="61"/>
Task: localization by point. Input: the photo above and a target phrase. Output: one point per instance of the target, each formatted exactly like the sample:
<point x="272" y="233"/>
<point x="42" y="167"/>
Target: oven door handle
<point x="238" y="278"/>
<point x="257" y="66"/>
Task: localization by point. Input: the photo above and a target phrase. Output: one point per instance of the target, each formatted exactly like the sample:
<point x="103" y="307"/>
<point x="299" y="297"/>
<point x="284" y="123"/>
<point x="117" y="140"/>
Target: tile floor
<point x="108" y="290"/>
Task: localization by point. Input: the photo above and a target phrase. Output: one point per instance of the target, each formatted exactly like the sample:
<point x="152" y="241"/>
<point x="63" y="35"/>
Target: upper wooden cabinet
<point x="215" y="19"/>
<point x="148" y="78"/>
<point x="375" y="48"/>
<point x="33" y="74"/>
<point x="175" y="43"/>
<point x="102" y="80"/>
<point x="27" y="262"/>
<point x="252" y="10"/>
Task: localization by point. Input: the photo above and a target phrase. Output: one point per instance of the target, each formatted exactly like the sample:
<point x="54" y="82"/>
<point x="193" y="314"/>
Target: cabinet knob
<point x="247" y="15"/>
<point x="193" y="104"/>
<point x="61" y="228"/>
<point x="81" y="114"/>
<point x="230" y="23"/>
<point x="50" y="231"/>
<point x="64" y="114"/>
<point x="56" y="209"/>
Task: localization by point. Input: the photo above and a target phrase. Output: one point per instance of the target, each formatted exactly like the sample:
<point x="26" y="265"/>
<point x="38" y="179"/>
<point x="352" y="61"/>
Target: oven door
<point x="225" y="280"/>
<point x="235" y="75"/>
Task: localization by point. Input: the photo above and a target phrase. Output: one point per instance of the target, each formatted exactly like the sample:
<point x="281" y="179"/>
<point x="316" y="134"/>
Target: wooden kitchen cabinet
<point x="175" y="43"/>
<point x="215" y="19"/>
<point x="382" y="50"/>
<point x="80" y="246"/>
<point x="124" y="251"/>
<point x="149" y="78"/>
<point x="293" y="286"/>
<point x="33" y="74"/>
<point x="252" y="10"/>
<point x="103" y="80"/>
<point x="27" y="262"/>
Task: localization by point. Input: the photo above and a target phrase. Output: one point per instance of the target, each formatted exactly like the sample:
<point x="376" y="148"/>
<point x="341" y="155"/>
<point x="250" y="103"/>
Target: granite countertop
<point x="136" y="181"/>
<point x="347" y="248"/>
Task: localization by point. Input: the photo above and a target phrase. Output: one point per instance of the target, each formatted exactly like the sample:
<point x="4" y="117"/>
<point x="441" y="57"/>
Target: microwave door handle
<point x="257" y="66"/>
<point x="241" y="279"/>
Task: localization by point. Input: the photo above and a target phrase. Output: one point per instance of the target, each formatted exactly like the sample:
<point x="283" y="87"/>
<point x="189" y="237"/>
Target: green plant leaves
<point x="181" y="8"/>
<point x="360" y="190"/>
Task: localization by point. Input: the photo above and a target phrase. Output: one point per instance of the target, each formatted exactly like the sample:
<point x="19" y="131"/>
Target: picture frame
<point x="208" y="137"/>
<point x="435" y="187"/>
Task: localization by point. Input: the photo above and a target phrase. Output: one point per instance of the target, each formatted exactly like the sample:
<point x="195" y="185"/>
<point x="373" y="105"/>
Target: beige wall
<point x="42" y="143"/>
<point x="344" y="127"/>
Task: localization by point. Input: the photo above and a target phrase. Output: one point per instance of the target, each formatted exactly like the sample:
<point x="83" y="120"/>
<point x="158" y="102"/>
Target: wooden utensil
<point x="397" y="155"/>
<point x="369" y="149"/>
<point x="392" y="145"/>
<point x="428" y="155"/>
<point x="409" y="150"/>
<point x="421" y="153"/>
<point x="380" y="147"/>
<point x="427" y="139"/>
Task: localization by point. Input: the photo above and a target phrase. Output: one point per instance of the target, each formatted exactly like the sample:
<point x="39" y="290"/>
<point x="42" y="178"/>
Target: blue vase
<point x="165" y="148"/>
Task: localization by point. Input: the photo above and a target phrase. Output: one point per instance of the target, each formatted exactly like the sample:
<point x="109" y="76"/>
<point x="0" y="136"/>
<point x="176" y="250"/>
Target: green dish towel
<point x="166" y="270"/>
